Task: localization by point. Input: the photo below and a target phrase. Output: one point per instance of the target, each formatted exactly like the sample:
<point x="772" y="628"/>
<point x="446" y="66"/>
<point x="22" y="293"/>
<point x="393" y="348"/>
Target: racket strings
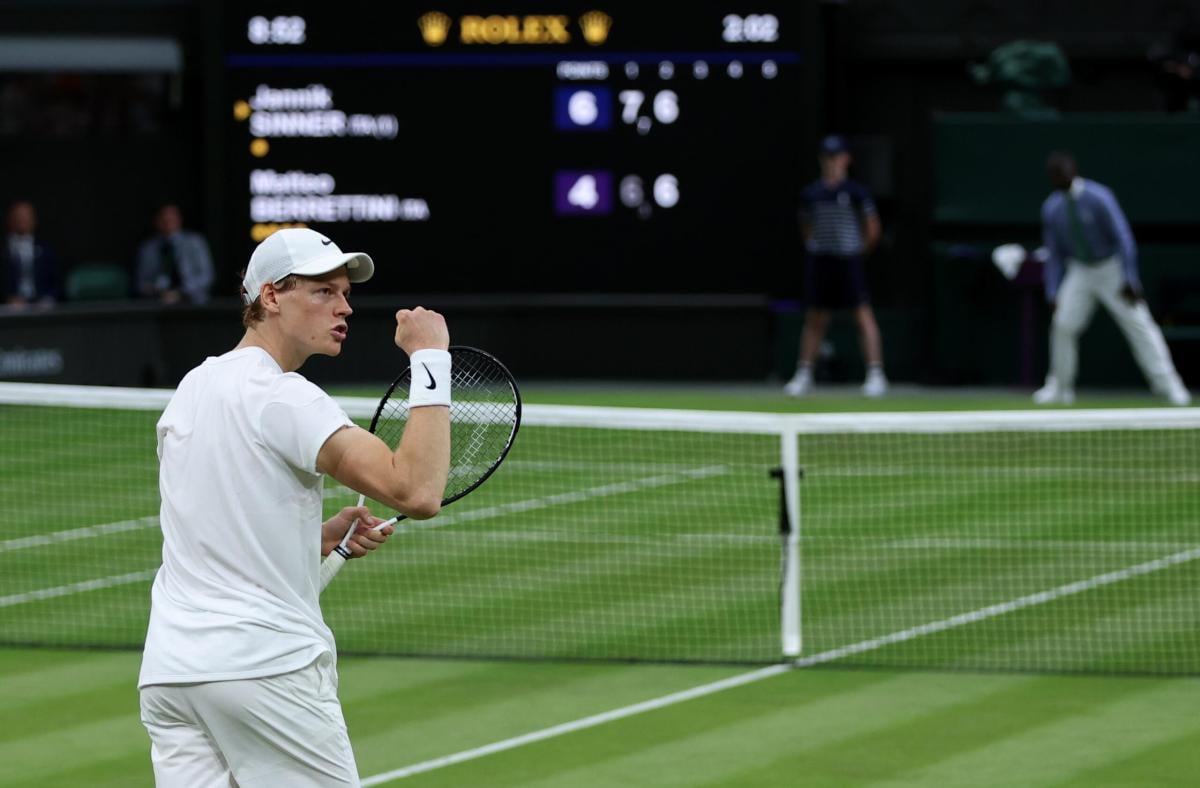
<point x="389" y="424"/>
<point x="477" y="443"/>
<point x="481" y="425"/>
<point x="483" y="419"/>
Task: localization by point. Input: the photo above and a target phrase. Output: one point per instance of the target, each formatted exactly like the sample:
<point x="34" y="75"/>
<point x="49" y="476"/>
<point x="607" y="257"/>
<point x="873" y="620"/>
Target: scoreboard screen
<point x="549" y="148"/>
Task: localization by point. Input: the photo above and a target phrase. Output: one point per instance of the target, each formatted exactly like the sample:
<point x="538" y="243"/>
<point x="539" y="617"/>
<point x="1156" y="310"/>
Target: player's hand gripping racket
<point x="484" y="418"/>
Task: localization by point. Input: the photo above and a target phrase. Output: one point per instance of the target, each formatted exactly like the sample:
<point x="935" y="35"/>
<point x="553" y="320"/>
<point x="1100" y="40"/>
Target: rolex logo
<point x="595" y="25"/>
<point x="435" y="26"/>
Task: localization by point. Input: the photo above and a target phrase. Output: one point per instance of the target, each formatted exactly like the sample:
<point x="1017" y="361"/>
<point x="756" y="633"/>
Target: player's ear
<point x="268" y="295"/>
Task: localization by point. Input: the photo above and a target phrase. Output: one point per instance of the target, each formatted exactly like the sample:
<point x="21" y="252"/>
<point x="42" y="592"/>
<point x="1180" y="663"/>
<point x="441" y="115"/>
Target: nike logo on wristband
<point x="432" y="383"/>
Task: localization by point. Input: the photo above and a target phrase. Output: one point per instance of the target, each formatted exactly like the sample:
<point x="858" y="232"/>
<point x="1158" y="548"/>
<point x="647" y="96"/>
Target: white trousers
<point x="271" y="732"/>
<point x="1083" y="286"/>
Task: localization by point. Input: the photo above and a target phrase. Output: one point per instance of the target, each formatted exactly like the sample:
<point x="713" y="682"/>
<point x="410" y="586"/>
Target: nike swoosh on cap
<point x="325" y="242"/>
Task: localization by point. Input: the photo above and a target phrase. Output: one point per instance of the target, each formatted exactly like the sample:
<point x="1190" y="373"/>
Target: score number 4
<point x="590" y="192"/>
<point x="585" y="194"/>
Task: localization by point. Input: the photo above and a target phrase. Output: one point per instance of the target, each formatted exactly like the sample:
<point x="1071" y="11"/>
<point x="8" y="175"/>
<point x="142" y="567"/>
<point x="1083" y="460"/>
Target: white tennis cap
<point x="299" y="250"/>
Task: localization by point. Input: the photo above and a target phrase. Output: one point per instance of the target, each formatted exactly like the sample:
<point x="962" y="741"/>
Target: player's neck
<point x="276" y="346"/>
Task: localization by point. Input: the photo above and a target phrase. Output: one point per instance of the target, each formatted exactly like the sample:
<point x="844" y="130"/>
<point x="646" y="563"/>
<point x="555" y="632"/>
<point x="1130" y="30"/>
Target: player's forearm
<point x="424" y="457"/>
<point x="405" y="479"/>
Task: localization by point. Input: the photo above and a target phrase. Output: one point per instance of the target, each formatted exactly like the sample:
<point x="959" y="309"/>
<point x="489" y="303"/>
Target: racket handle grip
<point x="332" y="564"/>
<point x="386" y="523"/>
<point x="337" y="557"/>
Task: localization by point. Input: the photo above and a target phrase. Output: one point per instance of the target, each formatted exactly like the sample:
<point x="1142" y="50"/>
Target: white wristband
<point x="430" y="378"/>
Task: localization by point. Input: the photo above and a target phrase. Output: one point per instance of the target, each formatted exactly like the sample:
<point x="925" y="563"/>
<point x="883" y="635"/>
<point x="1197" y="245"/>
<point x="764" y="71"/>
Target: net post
<point x="789" y="607"/>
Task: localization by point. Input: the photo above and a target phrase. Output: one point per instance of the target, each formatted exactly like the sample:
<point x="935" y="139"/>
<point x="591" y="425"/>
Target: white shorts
<point x="284" y="730"/>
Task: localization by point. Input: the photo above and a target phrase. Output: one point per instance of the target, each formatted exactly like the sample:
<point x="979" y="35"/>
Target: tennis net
<point x="1057" y="541"/>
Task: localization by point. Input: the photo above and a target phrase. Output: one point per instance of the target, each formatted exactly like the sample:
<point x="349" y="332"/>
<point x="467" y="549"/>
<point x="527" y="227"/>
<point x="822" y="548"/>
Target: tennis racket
<point x="484" y="418"/>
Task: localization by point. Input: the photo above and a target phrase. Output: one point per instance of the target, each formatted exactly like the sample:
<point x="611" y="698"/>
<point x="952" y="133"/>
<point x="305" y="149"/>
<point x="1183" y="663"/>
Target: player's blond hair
<point x="254" y="312"/>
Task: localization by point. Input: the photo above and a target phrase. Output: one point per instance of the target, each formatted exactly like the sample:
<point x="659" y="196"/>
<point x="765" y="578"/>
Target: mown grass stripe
<point x="825" y="657"/>
<point x="26" y="759"/>
<point x="46" y="676"/>
<point x="1095" y="631"/>
<point x="991" y="611"/>
<point x="1039" y="752"/>
<point x="85" y="704"/>
<point x="1173" y="760"/>
<point x="717" y="740"/>
<point x="509" y="699"/>
<point x="575" y="725"/>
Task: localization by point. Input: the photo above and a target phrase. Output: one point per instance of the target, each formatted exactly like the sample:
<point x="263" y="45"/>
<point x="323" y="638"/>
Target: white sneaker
<point x="876" y="384"/>
<point x="1046" y="394"/>
<point x="800" y="384"/>
<point x="1051" y="394"/>
<point x="1178" y="395"/>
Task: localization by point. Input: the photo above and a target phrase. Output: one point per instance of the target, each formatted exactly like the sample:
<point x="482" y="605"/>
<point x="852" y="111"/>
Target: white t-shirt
<point x="237" y="594"/>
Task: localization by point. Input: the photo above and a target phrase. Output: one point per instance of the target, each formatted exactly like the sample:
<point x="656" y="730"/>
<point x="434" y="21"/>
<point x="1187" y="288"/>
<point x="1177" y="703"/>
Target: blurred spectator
<point x="1085" y="232"/>
<point x="175" y="265"/>
<point x="30" y="268"/>
<point x="840" y="226"/>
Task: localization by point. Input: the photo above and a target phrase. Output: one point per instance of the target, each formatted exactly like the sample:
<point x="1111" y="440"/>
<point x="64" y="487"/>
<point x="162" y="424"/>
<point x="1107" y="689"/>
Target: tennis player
<point x="1085" y="230"/>
<point x="238" y="680"/>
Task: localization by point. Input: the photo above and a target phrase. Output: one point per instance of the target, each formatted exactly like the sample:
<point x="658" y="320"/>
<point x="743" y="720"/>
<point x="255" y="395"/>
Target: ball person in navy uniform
<point x="1085" y="231"/>
<point x="840" y="227"/>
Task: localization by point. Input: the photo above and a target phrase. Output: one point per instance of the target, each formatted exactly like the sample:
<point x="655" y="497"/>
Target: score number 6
<point x="665" y="106"/>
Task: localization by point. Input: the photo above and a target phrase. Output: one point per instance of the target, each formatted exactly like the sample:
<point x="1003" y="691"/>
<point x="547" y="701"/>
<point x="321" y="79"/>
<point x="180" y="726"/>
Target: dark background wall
<point x="957" y="173"/>
<point x="895" y="76"/>
<point x="97" y="181"/>
<point x="894" y="67"/>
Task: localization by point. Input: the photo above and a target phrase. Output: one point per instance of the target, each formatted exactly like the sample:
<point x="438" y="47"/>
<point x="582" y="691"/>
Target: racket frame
<point x="340" y="554"/>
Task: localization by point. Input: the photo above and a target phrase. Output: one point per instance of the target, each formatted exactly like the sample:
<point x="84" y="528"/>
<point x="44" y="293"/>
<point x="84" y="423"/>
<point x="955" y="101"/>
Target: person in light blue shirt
<point x="175" y="266"/>
<point x="1091" y="258"/>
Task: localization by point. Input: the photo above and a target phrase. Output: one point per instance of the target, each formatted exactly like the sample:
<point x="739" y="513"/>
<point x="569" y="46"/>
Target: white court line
<point x="957" y="543"/>
<point x="575" y="537"/>
<point x="983" y="613"/>
<point x="992" y="472"/>
<point x="991" y="611"/>
<point x="570" y="727"/>
<point x="592" y="466"/>
<point x="104" y="529"/>
<point x="76" y="588"/>
<point x="41" y="540"/>
<point x="682" y="475"/>
<point x="575" y="496"/>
